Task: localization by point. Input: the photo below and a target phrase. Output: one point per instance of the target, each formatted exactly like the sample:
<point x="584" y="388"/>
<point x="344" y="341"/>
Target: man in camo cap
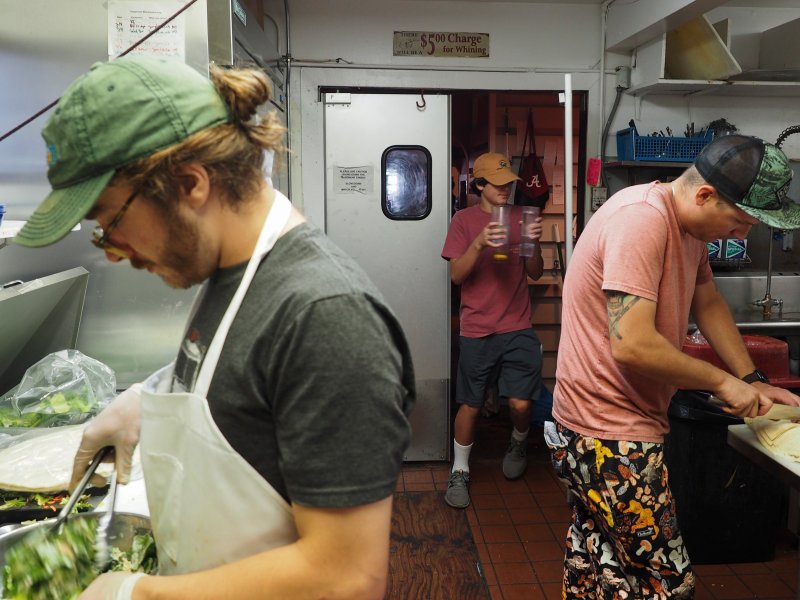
<point x="638" y="270"/>
<point x="752" y="174"/>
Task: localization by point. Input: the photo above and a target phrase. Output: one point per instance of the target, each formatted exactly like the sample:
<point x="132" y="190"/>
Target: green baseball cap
<point x="752" y="174"/>
<point x="117" y="113"/>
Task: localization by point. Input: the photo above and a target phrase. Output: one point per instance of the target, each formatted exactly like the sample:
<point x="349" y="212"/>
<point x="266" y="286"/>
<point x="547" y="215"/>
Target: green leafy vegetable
<point x="140" y="558"/>
<point x="14" y="499"/>
<point x="54" y="408"/>
<point x="46" y="564"/>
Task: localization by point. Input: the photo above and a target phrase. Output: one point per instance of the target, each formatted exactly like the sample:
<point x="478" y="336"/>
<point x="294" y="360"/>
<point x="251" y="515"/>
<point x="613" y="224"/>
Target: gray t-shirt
<point x="315" y="380"/>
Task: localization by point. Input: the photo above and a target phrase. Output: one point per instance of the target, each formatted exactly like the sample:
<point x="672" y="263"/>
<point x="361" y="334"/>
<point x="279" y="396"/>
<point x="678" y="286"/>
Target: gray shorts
<point x="513" y="360"/>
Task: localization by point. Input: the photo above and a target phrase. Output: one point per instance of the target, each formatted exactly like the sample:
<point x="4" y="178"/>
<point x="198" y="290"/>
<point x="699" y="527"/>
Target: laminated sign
<point x="353" y="180"/>
<point x="441" y="43"/>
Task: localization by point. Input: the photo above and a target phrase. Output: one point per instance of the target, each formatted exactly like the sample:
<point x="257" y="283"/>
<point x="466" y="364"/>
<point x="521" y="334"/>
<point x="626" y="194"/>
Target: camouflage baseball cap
<point x="754" y="175"/>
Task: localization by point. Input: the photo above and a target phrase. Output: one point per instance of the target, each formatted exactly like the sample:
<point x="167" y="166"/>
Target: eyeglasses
<point x="100" y="235"/>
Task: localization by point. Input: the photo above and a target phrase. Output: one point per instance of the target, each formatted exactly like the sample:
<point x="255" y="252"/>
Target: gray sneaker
<point x="457" y="494"/>
<point x="516" y="459"/>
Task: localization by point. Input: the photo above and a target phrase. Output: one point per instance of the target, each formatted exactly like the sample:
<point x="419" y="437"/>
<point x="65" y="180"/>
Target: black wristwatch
<point x="755" y="376"/>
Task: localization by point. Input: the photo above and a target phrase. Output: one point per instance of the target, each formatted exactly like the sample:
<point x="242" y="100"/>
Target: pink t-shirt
<point x="494" y="298"/>
<point x="633" y="244"/>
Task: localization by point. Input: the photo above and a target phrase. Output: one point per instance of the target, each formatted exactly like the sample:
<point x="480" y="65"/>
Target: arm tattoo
<point x="618" y="304"/>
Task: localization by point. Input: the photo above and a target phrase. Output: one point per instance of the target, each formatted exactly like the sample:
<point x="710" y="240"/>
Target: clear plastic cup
<point x="501" y="214"/>
<point x="527" y="245"/>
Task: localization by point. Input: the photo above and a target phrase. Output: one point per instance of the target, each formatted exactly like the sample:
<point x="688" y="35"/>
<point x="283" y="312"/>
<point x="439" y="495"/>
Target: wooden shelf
<point x="545" y="280"/>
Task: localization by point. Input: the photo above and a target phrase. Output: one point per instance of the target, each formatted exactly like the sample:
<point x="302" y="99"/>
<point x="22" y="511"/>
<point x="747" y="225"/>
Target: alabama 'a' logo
<point x="534" y="182"/>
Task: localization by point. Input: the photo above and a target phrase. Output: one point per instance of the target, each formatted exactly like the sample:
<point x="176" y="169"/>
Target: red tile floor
<point x="519" y="528"/>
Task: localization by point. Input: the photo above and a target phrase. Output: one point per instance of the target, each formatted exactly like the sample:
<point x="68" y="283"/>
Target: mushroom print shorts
<point x="623" y="542"/>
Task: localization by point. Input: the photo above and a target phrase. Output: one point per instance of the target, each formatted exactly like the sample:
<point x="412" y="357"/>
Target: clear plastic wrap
<point x="64" y="388"/>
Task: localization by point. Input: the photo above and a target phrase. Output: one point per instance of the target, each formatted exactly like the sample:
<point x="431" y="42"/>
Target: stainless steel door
<point x="401" y="255"/>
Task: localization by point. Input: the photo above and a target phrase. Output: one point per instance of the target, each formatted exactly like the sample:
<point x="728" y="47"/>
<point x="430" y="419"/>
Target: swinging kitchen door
<point x="387" y="204"/>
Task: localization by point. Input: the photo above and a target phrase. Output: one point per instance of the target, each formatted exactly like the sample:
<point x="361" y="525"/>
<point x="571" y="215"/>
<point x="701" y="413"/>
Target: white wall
<point x="765" y="116"/>
<point x="522" y="34"/>
<point x="532" y="46"/>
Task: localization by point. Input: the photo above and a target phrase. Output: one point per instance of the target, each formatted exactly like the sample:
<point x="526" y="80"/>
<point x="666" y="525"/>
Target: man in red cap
<point x="496" y="338"/>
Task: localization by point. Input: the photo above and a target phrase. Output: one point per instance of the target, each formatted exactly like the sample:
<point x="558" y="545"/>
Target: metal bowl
<point x="124" y="527"/>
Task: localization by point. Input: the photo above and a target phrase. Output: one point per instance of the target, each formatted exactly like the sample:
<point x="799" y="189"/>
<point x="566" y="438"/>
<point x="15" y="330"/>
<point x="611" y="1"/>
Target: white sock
<point x="520" y="436"/>
<point x="461" y="457"/>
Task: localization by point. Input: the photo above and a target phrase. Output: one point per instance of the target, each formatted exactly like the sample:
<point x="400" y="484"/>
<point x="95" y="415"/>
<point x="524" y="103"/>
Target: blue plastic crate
<point x="632" y="146"/>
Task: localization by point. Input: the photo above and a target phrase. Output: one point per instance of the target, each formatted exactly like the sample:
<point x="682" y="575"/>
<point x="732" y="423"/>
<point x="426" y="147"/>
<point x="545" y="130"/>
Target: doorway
<point x="380" y="141"/>
<point x="495" y="121"/>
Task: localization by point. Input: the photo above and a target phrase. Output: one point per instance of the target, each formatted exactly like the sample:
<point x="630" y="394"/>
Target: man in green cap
<point x="271" y="447"/>
<point x="638" y="270"/>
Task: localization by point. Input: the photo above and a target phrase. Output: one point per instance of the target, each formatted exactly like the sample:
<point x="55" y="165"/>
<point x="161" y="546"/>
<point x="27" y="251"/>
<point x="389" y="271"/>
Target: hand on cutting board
<point x="117" y="425"/>
<point x="112" y="586"/>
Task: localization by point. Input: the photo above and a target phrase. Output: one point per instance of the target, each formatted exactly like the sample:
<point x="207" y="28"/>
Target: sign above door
<point x="441" y="43"/>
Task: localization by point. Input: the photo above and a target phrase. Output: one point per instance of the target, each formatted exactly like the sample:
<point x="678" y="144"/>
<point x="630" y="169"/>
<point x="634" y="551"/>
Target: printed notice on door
<point x="441" y="43"/>
<point x="130" y="21"/>
<point x="353" y="180"/>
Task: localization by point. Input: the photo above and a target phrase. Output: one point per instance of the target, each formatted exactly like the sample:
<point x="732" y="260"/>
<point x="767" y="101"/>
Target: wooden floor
<point x="517" y="529"/>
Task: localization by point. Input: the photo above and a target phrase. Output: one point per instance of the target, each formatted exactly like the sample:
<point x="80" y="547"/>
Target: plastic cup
<point x="527" y="244"/>
<point x="501" y="214"/>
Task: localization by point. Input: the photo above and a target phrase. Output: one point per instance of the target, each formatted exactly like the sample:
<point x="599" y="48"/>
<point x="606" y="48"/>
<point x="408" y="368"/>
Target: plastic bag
<point x="64" y="388"/>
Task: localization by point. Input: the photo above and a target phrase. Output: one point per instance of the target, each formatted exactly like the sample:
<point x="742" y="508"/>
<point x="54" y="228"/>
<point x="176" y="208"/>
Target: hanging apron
<point x="208" y="505"/>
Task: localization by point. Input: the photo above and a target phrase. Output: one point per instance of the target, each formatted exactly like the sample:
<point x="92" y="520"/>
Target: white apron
<point x="208" y="505"/>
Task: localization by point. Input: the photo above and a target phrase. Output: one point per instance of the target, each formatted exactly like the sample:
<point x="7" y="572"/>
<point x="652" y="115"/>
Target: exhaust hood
<point x="235" y="38"/>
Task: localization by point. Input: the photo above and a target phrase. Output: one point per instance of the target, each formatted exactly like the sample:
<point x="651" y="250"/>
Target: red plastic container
<point x="770" y="356"/>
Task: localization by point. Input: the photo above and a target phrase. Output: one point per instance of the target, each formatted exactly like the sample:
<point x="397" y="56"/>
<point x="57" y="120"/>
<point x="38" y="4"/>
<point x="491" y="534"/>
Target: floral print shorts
<point x="624" y="541"/>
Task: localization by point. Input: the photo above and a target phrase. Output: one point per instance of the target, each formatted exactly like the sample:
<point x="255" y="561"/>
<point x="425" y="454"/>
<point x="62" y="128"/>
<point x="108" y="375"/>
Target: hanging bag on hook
<point x="533" y="190"/>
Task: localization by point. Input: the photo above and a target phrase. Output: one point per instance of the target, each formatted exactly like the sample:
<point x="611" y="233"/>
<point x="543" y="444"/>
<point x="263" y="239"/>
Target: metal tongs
<point x="102" y="548"/>
<point x="102" y="556"/>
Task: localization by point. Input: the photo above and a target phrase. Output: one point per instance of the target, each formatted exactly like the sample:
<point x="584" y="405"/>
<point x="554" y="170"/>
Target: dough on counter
<point x="781" y="437"/>
<point x="43" y="463"/>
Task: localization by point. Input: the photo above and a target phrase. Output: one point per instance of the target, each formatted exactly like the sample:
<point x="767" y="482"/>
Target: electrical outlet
<point x="599" y="195"/>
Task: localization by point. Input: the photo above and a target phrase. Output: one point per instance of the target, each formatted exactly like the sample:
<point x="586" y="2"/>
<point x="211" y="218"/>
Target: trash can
<point x="729" y="509"/>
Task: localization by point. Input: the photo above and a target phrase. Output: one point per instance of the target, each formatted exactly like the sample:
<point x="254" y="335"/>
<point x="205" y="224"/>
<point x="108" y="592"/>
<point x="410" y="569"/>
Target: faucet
<point x="767" y="302"/>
